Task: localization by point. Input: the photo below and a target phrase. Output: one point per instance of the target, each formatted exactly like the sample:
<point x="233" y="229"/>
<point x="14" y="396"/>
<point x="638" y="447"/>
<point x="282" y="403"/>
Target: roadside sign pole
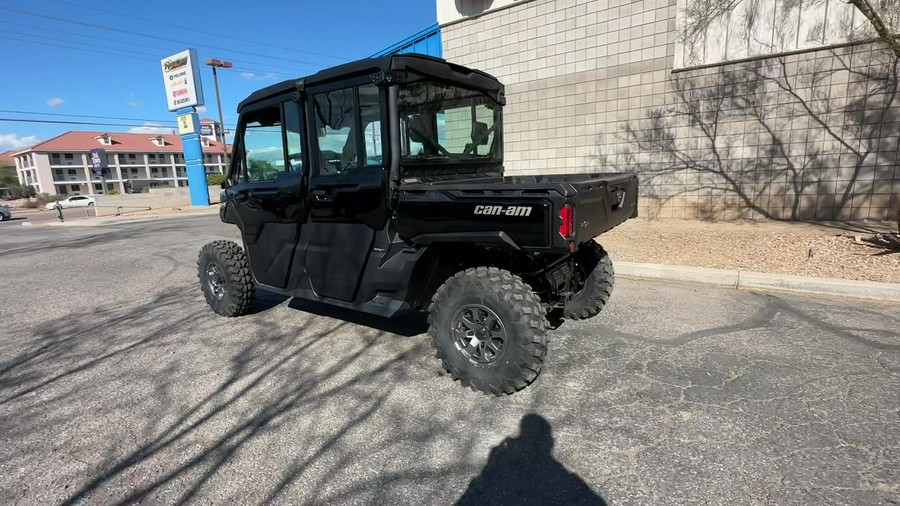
<point x="189" y="128"/>
<point x="181" y="78"/>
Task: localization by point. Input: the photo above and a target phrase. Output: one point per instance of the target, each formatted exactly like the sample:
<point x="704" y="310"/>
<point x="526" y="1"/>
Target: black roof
<point x="418" y="63"/>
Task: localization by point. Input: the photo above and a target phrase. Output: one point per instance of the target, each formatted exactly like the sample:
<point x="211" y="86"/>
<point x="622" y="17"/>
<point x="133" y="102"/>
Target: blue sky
<point x="101" y="57"/>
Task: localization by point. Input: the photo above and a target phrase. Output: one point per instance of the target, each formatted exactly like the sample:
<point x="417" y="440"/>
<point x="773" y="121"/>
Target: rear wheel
<point x="225" y="279"/>
<point x="489" y="330"/>
<point x="594" y="267"/>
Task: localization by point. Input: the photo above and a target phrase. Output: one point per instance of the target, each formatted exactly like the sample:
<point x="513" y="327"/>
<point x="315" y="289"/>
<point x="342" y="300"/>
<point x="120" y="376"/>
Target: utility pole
<point x="214" y="63"/>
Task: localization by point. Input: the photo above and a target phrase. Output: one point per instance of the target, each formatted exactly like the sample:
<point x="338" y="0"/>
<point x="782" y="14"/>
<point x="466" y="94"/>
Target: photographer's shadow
<point x="522" y="470"/>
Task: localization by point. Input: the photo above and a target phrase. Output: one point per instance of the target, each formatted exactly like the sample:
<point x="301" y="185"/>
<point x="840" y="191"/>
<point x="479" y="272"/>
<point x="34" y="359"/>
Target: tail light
<point x="567" y="221"/>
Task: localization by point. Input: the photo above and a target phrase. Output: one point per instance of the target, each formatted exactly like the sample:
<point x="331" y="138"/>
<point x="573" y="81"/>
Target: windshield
<point x="442" y="122"/>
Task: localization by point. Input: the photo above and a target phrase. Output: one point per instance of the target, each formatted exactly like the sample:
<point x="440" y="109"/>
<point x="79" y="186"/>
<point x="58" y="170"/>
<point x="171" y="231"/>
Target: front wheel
<point x="489" y="330"/>
<point x="225" y="279"/>
<point x="595" y="269"/>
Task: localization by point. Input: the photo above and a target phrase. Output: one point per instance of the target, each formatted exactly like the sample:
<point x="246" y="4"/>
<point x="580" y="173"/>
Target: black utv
<point x="379" y="186"/>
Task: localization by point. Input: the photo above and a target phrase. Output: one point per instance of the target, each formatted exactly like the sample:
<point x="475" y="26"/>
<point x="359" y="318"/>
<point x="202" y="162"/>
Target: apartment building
<point x="61" y="165"/>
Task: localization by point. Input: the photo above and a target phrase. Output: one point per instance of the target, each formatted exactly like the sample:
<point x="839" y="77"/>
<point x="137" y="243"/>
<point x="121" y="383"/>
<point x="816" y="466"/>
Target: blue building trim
<point x="428" y="41"/>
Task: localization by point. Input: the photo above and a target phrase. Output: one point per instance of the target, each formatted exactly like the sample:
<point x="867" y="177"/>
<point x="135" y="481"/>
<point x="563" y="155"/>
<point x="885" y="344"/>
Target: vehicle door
<point x="268" y="195"/>
<point x="347" y="189"/>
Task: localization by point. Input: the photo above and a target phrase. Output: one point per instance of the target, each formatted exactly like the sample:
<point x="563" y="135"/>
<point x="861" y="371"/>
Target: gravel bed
<point x="803" y="249"/>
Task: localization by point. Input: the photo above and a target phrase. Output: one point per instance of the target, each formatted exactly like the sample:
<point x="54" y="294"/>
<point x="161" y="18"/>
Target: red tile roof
<point x="6" y="158"/>
<point x="86" y="141"/>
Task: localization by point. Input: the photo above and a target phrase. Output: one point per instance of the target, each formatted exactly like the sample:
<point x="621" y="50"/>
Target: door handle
<point x="321" y="196"/>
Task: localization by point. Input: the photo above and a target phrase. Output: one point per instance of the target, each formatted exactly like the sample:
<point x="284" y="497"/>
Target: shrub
<point x="215" y="179"/>
<point x="113" y="192"/>
<point x="31" y="204"/>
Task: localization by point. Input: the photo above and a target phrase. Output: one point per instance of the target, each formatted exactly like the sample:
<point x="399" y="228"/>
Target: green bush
<point x="31" y="204"/>
<point x="113" y="192"/>
<point x="215" y="179"/>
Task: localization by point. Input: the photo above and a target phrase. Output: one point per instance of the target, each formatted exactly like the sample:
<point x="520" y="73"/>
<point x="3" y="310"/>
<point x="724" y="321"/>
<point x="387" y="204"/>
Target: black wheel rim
<point x="215" y="280"/>
<point x="478" y="334"/>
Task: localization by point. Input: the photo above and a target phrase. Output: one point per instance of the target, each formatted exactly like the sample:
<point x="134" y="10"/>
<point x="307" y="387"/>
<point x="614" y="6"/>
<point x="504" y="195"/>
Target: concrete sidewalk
<point x="760" y="281"/>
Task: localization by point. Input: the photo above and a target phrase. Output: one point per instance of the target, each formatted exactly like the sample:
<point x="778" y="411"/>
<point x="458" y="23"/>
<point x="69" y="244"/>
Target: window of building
<point x="132" y="156"/>
<point x="58" y="172"/>
<point x="72" y="172"/>
<point x="74" y="187"/>
<point x="69" y="156"/>
<point x="745" y="29"/>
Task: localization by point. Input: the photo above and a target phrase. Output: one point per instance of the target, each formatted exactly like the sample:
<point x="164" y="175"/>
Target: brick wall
<point x="590" y="87"/>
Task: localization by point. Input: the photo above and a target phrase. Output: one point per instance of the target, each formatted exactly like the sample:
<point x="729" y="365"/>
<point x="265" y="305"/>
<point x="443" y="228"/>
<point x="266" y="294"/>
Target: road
<point x="117" y="384"/>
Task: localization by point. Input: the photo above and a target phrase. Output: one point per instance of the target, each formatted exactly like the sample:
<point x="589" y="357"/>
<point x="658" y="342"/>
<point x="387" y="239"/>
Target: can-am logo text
<point x="176" y="64"/>
<point x="503" y="210"/>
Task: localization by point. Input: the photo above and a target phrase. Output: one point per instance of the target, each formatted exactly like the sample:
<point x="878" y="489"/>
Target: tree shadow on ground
<point x="522" y="470"/>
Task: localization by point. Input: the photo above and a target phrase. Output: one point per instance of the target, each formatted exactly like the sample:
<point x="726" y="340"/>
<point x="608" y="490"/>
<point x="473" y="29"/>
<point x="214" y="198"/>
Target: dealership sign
<point x="98" y="160"/>
<point x="207" y="129"/>
<point x="181" y="74"/>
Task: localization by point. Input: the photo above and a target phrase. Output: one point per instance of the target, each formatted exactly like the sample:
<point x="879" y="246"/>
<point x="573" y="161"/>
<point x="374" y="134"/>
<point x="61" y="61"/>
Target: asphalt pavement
<point x="119" y="385"/>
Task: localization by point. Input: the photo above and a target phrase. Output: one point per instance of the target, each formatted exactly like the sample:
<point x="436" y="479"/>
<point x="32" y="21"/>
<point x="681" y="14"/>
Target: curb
<point x="122" y="220"/>
<point x="744" y="280"/>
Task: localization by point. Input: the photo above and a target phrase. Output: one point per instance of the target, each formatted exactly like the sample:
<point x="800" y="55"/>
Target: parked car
<point x="5" y="213"/>
<point x="73" y="201"/>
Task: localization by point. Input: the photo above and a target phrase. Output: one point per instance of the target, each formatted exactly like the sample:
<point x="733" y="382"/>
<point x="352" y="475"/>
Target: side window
<point x="263" y="145"/>
<point x="336" y="131"/>
<point x="370" y="117"/>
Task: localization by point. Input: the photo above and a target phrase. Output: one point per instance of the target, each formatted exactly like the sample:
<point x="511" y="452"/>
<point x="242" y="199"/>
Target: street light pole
<point x="214" y="63"/>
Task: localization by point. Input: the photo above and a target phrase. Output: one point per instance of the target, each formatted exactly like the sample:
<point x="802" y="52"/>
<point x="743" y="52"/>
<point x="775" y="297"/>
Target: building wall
<point x="51" y="175"/>
<point x="591" y="87"/>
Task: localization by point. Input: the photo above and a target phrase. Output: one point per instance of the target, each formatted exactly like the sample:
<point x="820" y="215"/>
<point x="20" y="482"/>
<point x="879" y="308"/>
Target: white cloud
<point x="134" y="103"/>
<point x="201" y="109"/>
<point x="150" y="128"/>
<point x="54" y="101"/>
<point x="15" y="141"/>
<point x="260" y="77"/>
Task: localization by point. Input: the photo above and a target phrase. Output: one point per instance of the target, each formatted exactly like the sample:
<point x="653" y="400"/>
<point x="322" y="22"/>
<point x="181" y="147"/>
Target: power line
<point x="136" y="56"/>
<point x="77" y="49"/>
<point x="167" y="39"/>
<point x="65" y="122"/>
<point x="89" y="116"/>
<point x="194" y="29"/>
<point x="36" y="113"/>
<point x="155" y="48"/>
